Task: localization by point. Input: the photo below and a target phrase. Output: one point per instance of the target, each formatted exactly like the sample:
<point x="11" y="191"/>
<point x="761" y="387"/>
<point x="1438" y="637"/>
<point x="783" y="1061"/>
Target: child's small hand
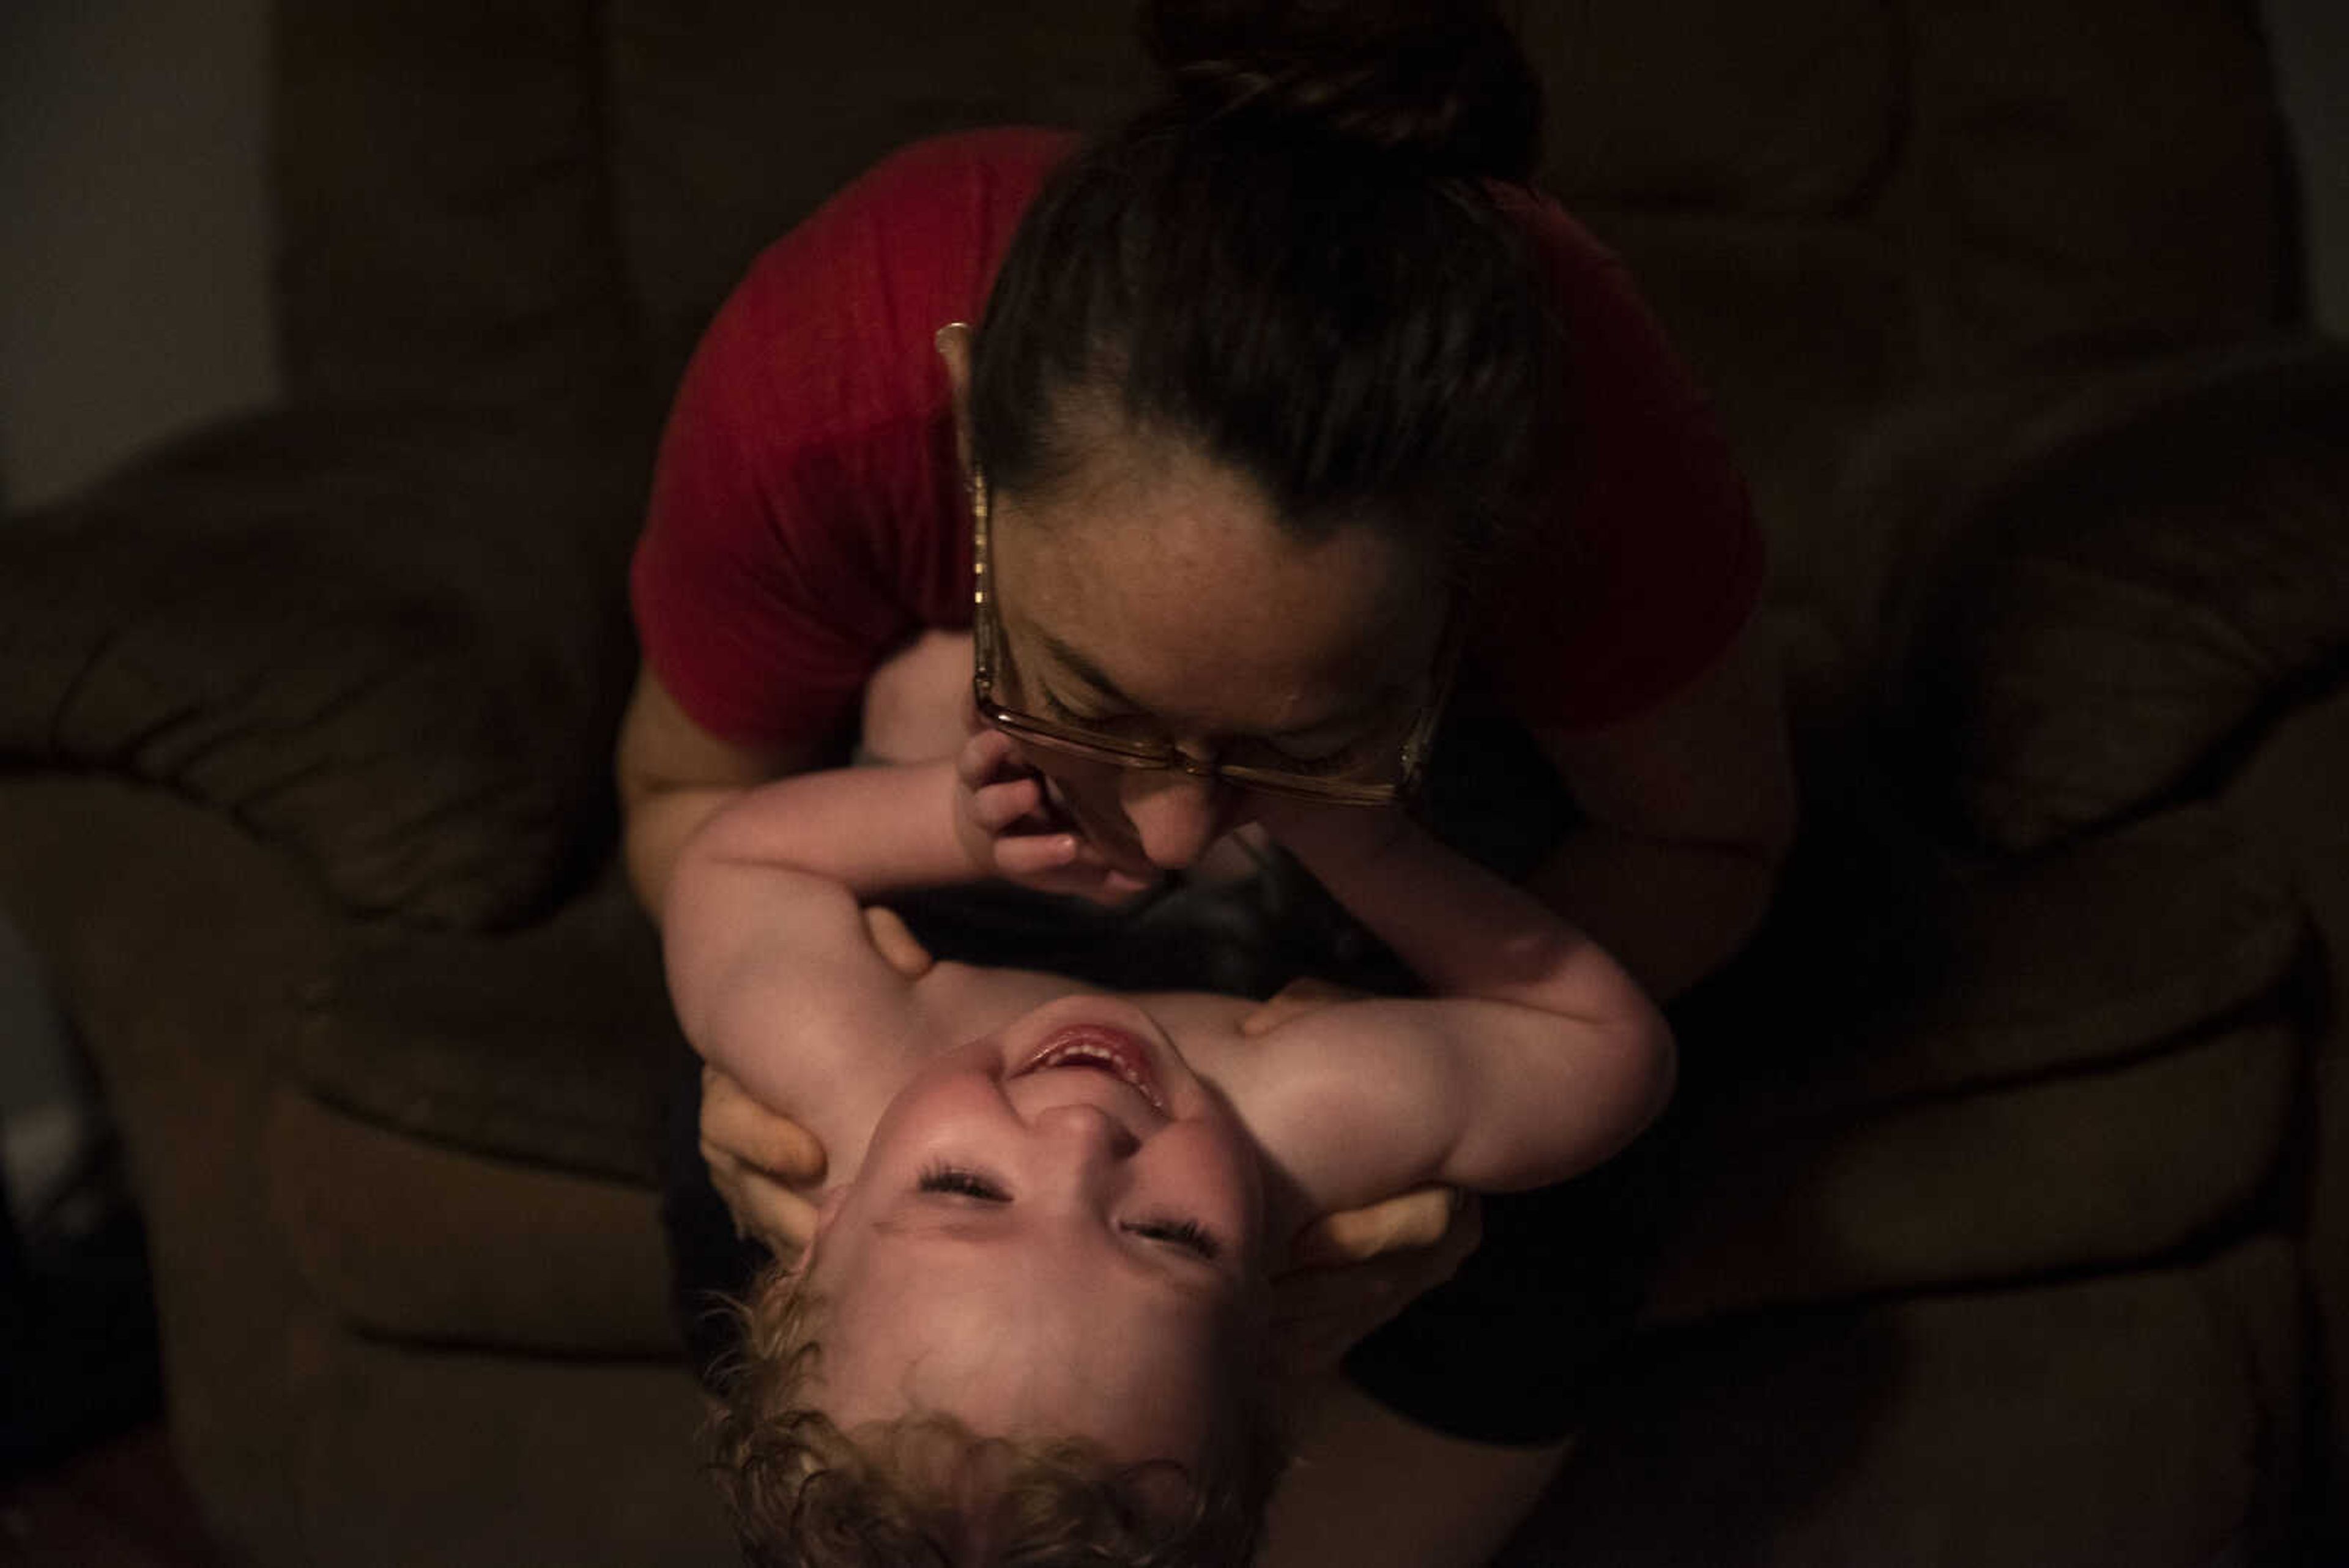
<point x="759" y="1161"/>
<point x="1009" y="829"/>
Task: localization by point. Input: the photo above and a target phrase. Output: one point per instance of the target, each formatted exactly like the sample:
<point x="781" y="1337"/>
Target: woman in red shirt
<point x="1283" y="415"/>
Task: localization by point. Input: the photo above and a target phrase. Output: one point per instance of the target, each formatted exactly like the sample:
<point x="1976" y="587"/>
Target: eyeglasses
<point x="1381" y="768"/>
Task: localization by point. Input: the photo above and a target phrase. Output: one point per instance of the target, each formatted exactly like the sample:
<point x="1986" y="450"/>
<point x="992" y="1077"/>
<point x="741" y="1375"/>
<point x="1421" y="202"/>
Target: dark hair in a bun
<point x="1299" y="265"/>
<point x="1440" y="80"/>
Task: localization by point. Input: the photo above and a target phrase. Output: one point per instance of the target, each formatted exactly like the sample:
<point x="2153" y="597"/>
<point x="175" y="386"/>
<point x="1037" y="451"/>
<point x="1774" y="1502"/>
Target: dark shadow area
<point x="77" y="1317"/>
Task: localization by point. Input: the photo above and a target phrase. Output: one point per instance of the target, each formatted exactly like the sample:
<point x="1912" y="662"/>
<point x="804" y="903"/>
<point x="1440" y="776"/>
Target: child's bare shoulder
<point x="1341" y="1091"/>
<point x="1205" y="1025"/>
<point x="1262" y="1054"/>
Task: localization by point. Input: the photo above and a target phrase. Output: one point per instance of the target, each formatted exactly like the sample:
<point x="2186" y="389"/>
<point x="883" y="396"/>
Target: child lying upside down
<point x="1034" y="1304"/>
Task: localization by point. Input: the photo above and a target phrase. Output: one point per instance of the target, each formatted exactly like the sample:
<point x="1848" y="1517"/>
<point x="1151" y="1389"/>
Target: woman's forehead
<point x="1162" y="517"/>
<point x="1169" y="589"/>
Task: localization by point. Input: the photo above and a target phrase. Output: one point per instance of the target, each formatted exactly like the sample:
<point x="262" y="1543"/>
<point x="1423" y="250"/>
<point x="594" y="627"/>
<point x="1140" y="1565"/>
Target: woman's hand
<point x="1009" y="829"/>
<point x="1348" y="1273"/>
<point x="761" y="1164"/>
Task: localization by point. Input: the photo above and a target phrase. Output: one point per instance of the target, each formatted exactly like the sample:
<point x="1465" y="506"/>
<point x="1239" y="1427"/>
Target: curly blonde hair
<point x="925" y="1491"/>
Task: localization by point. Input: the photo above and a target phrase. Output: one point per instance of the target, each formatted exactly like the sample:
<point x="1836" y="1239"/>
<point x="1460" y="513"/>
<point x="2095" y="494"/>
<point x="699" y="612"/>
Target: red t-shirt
<point x="807" y="517"/>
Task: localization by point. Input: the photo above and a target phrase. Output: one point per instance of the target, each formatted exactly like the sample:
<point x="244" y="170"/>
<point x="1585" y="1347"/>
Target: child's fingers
<point x="983" y="757"/>
<point x="747" y="1131"/>
<point x="996" y="806"/>
<point x="1033" y="855"/>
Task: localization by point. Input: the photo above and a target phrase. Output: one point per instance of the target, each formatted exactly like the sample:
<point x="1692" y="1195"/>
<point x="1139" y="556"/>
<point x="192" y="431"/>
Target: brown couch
<point x="2013" y="1155"/>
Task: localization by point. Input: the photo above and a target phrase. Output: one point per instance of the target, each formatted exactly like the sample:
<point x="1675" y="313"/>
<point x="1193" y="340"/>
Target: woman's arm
<point x="1689" y="812"/>
<point x="673" y="775"/>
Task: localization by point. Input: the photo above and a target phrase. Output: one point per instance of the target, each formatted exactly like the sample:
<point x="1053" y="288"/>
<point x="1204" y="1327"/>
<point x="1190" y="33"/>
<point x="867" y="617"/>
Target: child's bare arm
<point x="1537" y="1059"/>
<point x="778" y="977"/>
<point x="873" y="830"/>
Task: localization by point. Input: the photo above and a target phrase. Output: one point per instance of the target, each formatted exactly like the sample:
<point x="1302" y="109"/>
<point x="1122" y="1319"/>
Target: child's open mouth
<point x="1101" y="1048"/>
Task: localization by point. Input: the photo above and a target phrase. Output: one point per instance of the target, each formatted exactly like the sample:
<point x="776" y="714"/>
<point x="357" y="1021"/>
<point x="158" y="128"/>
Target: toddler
<point x="1031" y="1325"/>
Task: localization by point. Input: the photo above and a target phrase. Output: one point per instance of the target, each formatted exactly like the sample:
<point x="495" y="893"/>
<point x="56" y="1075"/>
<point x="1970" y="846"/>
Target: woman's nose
<point x="1174" y="815"/>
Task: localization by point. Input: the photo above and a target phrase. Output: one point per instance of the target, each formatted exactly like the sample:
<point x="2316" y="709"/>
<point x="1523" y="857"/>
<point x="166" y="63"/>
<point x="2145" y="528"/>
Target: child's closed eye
<point x="1187" y="1234"/>
<point x="962" y="1183"/>
<point x="959" y="1182"/>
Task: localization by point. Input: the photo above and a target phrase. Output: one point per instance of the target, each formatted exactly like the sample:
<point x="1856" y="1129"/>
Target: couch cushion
<point x="395" y="645"/>
<point x="444" y="210"/>
<point x="2085" y="1172"/>
<point x="2134" y="602"/>
<point x="1891" y="970"/>
<point x="2148" y="1418"/>
<point x="553" y="1045"/>
<point x="731" y="119"/>
<point x="1932" y="1072"/>
<point x="1798" y="331"/>
<point x="421" y="1458"/>
<point x="1693" y="103"/>
<point x="411" y="1240"/>
<point x="2096" y="175"/>
<point x="1772" y="110"/>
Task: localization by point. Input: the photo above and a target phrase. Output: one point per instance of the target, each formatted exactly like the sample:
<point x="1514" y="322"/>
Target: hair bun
<point x="1443" y="81"/>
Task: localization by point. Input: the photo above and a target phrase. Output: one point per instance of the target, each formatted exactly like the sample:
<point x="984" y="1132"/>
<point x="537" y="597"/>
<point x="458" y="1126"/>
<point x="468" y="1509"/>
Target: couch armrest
<point x="553" y="1045"/>
<point x="393" y="643"/>
<point x="2118" y="594"/>
<point x="2290" y="795"/>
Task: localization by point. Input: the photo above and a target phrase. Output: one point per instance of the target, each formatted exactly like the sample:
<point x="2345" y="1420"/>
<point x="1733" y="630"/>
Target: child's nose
<point x="1087" y="1137"/>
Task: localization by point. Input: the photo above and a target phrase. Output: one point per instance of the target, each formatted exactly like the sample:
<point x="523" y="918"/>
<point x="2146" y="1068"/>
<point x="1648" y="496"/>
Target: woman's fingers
<point x="896" y="941"/>
<point x="753" y="1135"/>
<point x="756" y="1158"/>
<point x="1415" y="1220"/>
<point x="1319" y="1313"/>
<point x="1305" y="994"/>
<point x="761" y="1207"/>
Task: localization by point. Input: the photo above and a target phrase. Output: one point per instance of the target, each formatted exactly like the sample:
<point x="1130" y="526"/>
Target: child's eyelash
<point x="962" y="1183"/>
<point x="1188" y="1234"/>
